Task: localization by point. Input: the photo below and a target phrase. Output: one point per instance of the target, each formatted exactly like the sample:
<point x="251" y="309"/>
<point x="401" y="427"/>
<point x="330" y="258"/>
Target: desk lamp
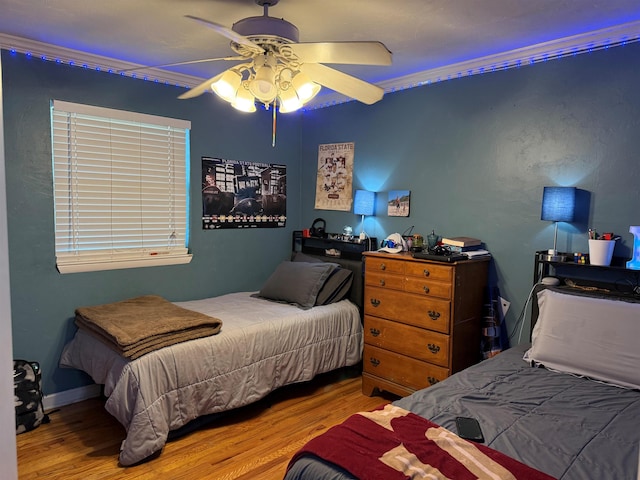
<point x="558" y="205"/>
<point x="363" y="204"/>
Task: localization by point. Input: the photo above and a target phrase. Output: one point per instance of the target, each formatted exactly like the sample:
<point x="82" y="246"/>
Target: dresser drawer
<point x="411" y="341"/>
<point x="419" y="310"/>
<point x="373" y="265"/>
<point x="424" y="286"/>
<point x="385" y="280"/>
<point x="440" y="273"/>
<point x="400" y="369"/>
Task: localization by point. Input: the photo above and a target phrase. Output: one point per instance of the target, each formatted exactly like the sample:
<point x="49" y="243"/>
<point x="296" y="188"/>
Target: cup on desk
<point x="601" y="252"/>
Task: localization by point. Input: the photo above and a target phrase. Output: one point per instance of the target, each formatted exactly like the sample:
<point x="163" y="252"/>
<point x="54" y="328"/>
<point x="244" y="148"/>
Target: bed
<point x="305" y="320"/>
<point x="567" y="405"/>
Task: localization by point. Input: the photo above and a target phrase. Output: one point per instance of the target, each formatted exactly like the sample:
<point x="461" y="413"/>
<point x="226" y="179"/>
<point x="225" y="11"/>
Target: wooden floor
<point x="254" y="442"/>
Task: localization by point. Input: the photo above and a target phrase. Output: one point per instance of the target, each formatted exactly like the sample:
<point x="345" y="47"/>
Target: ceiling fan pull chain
<point x="273" y="126"/>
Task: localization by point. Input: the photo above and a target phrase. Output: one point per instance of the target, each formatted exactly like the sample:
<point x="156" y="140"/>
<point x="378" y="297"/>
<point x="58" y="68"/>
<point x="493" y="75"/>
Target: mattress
<point x="567" y="426"/>
<point x="263" y="345"/>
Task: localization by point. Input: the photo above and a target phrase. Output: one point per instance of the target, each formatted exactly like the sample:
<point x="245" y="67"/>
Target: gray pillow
<point x="337" y="285"/>
<point x="297" y="282"/>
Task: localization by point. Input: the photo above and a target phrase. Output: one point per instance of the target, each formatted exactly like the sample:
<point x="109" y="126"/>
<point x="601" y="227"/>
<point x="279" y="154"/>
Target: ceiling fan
<point x="277" y="69"/>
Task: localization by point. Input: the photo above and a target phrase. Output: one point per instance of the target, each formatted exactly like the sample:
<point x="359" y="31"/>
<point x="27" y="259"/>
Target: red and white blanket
<point x="393" y="443"/>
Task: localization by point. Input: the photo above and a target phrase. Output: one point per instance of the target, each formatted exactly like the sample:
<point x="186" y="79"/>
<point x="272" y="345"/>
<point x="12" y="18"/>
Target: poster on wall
<point x="238" y="194"/>
<point x="334" y="180"/>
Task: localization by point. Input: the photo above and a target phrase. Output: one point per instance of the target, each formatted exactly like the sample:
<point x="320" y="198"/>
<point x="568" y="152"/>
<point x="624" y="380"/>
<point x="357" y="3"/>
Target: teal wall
<point x="475" y="153"/>
<point x="42" y="300"/>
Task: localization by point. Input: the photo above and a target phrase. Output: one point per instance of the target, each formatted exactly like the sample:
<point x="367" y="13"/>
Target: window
<point x="120" y="188"/>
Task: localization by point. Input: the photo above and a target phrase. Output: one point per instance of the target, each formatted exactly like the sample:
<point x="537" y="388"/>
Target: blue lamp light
<point x="364" y="204"/>
<point x="558" y="205"/>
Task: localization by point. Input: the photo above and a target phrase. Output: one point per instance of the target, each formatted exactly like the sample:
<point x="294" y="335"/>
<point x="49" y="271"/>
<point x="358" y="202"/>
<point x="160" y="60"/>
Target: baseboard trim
<point x="68" y="397"/>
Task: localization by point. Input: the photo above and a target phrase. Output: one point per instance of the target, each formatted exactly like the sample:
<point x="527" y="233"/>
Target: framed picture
<point x="398" y="203"/>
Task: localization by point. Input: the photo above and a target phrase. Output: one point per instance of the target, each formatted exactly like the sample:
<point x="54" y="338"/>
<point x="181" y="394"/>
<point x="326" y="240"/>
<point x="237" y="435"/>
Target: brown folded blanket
<point x="143" y="324"/>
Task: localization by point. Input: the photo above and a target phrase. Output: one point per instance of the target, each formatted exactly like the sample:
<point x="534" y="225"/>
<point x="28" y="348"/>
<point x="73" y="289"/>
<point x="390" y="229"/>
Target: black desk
<point x="346" y="247"/>
<point x="615" y="280"/>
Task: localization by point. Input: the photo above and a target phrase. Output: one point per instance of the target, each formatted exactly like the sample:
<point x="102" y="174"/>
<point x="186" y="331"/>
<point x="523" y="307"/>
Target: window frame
<point x="121" y="188"/>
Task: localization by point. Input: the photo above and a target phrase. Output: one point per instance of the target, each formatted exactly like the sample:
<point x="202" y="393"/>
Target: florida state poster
<point x="239" y="194"/>
<point x="334" y="179"/>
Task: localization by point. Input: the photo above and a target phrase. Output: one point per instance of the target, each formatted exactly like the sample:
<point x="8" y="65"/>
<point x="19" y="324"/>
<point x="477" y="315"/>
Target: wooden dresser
<point x="422" y="320"/>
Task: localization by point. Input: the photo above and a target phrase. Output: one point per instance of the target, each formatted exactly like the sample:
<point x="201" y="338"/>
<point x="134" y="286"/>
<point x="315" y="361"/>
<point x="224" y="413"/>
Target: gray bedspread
<point x="263" y="345"/>
<point x="568" y="427"/>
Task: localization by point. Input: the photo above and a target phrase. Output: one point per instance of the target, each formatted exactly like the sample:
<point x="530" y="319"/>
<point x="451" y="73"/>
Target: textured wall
<point x="43" y="301"/>
<point x="476" y="153"/>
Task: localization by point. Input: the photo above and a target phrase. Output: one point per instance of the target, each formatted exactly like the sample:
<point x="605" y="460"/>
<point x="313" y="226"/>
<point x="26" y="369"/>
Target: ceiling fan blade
<point x="188" y="62"/>
<point x="200" y="89"/>
<point x="342" y="83"/>
<point x="230" y="34"/>
<point x="355" y="53"/>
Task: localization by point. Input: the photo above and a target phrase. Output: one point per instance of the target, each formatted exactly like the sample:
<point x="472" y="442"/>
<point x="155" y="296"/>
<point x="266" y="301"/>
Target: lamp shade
<point x="364" y="202"/>
<point x="558" y="204"/>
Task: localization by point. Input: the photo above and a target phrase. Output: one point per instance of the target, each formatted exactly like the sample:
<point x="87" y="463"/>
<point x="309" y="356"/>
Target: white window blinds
<point x="120" y="188"/>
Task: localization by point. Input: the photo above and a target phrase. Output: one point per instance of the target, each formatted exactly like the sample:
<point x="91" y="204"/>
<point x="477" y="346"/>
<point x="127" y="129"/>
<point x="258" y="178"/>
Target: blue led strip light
<point x="571" y="46"/>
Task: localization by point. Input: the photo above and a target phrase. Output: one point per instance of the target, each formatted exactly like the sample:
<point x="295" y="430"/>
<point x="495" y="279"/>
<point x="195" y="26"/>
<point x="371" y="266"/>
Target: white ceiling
<point x="429" y="39"/>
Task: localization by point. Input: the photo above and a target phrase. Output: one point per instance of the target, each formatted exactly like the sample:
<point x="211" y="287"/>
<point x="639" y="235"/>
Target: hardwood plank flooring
<point x="254" y="442"/>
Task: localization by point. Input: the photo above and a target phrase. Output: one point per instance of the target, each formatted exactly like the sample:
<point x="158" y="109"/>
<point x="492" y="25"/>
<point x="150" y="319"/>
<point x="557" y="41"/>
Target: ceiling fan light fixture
<point x="227" y="86"/>
<point x="304" y="87"/>
<point x="263" y="86"/>
<point x="244" y="101"/>
<point x="289" y="101"/>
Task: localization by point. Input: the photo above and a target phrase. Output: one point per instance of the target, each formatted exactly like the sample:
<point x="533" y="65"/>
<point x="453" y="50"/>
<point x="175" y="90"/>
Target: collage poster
<point x="334" y="180"/>
<point x="239" y="194"/>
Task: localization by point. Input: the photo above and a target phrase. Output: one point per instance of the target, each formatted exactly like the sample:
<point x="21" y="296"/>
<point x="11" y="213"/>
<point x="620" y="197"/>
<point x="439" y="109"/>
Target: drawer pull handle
<point x="426" y="272"/>
<point x="432" y="380"/>
<point x="433" y="348"/>
<point x="375" y="362"/>
<point x="383" y="266"/>
<point x="426" y="289"/>
<point x="375" y="302"/>
<point x="382" y="282"/>
<point x="434" y="315"/>
<point x="374" y="332"/>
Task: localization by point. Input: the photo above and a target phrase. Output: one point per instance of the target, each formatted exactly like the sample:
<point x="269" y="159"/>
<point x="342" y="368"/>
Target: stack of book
<point x="472" y="247"/>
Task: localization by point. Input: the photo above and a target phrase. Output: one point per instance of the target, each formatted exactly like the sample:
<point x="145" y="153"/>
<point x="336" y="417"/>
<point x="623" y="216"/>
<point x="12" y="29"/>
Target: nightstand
<point x="422" y="320"/>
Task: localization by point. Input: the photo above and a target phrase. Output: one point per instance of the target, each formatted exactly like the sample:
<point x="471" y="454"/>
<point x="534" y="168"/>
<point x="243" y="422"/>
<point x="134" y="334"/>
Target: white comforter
<point x="263" y="345"/>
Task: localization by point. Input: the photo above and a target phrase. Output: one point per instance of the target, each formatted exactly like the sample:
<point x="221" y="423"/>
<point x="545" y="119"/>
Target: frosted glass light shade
<point x="289" y="101"/>
<point x="305" y="88"/>
<point x="244" y="101"/>
<point x="558" y="204"/>
<point x="227" y="86"/>
<point x="263" y="86"/>
<point x="364" y="202"/>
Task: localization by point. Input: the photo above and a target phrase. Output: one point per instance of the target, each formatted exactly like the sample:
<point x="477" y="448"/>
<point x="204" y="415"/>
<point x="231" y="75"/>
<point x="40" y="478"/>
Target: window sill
<point x="94" y="266"/>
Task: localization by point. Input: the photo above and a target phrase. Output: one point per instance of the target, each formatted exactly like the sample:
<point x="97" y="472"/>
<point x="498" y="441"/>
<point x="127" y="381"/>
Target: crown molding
<point x="574" y="45"/>
<point x="568" y="46"/>
<point x="91" y="61"/>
